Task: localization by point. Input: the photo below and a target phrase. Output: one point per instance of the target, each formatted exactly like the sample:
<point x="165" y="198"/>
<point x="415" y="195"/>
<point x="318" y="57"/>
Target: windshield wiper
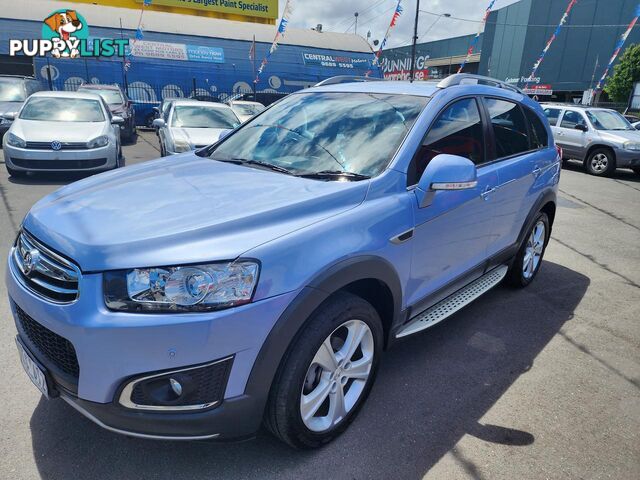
<point x="334" y="173"/>
<point x="241" y="161"/>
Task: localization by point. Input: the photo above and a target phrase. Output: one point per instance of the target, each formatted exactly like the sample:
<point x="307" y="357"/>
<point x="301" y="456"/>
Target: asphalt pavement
<point x="523" y="384"/>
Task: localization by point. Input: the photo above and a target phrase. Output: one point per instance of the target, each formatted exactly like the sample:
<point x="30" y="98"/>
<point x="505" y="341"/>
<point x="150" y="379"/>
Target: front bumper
<point x="627" y="158"/>
<point x="97" y="159"/>
<point x="112" y="347"/>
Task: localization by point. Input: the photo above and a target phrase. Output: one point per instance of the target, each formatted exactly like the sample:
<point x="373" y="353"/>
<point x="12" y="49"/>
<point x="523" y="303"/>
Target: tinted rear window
<point x="552" y="115"/>
<point x="539" y="137"/>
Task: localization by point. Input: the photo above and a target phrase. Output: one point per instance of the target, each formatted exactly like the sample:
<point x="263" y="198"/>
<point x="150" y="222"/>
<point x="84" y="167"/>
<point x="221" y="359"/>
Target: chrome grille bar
<point x="44" y="272"/>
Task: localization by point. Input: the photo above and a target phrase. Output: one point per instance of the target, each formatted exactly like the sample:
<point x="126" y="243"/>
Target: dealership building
<point x="203" y="48"/>
<point x="514" y="38"/>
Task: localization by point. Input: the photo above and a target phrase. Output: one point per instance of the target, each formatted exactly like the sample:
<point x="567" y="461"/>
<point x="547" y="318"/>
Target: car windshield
<point x="318" y="132"/>
<point x="248" y="108"/>
<point x="62" y="110"/>
<point x="608" y="120"/>
<point x="195" y="116"/>
<point x="112" y="97"/>
<point x="11" y="92"/>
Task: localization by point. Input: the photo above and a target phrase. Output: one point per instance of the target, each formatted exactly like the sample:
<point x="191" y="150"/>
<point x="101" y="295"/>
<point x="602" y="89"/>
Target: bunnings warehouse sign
<point x="247" y="8"/>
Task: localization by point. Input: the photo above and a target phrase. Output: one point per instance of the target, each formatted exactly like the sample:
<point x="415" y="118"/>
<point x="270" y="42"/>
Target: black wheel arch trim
<point x="292" y="320"/>
<point x="543" y="199"/>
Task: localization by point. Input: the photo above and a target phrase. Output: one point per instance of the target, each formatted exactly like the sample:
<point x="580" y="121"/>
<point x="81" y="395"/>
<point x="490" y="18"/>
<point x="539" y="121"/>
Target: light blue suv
<point x="260" y="279"/>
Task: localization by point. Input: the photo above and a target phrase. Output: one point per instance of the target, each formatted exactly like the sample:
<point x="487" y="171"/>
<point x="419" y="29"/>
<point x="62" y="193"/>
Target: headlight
<point x="633" y="146"/>
<point x="16" y="141"/>
<point x="180" y="145"/>
<point x="101" y="141"/>
<point x="191" y="288"/>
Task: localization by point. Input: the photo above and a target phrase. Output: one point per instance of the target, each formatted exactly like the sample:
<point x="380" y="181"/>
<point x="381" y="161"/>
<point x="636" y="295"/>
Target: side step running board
<point x="454" y="302"/>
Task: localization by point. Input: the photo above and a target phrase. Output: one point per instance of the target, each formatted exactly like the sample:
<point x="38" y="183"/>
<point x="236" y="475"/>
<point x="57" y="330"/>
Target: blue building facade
<point x="178" y="65"/>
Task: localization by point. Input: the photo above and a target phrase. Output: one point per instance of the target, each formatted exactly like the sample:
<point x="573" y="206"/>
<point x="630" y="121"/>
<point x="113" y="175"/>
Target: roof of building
<point x="110" y="17"/>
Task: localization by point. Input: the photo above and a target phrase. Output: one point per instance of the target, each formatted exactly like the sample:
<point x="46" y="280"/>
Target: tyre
<point x="327" y="373"/>
<point x="600" y="162"/>
<point x="16" y="173"/>
<point x="528" y="260"/>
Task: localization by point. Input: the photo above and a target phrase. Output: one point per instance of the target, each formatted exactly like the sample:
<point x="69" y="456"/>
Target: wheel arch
<point x="546" y="203"/>
<point x="370" y="277"/>
<point x="596" y="146"/>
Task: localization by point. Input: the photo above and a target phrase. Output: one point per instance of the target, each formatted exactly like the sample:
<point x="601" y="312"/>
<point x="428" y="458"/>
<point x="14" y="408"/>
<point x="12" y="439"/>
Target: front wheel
<point x="529" y="258"/>
<point x="601" y="162"/>
<point x="327" y="373"/>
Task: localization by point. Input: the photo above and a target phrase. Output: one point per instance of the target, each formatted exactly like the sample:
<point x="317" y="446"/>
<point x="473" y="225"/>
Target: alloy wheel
<point x="337" y="376"/>
<point x="533" y="251"/>
<point x="599" y="162"/>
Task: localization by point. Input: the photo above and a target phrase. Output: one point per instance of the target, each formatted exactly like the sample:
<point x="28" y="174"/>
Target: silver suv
<point x="601" y="139"/>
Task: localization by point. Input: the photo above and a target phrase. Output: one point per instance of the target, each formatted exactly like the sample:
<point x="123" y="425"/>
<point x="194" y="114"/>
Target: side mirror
<point x="445" y="172"/>
<point x="637" y="126"/>
<point x="116" y="120"/>
<point x="158" y="123"/>
<point x="156" y="109"/>
<point x="9" y="116"/>
<point x="581" y="127"/>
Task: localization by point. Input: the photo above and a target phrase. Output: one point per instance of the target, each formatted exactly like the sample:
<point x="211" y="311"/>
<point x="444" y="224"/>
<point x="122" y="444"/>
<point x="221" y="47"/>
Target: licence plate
<point x="34" y="371"/>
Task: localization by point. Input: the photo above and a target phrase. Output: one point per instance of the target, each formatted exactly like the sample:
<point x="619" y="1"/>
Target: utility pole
<point x="415" y="40"/>
<point x="356" y="15"/>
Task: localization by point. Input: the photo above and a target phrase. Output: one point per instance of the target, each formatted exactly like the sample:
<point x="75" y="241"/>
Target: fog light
<point x="190" y="388"/>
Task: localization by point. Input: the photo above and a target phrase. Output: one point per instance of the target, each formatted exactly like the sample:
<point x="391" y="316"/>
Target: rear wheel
<point x="601" y="162"/>
<point x="529" y="258"/>
<point x="327" y="373"/>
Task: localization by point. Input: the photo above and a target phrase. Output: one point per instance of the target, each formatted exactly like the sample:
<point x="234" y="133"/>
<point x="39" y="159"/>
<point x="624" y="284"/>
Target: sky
<point x="375" y="15"/>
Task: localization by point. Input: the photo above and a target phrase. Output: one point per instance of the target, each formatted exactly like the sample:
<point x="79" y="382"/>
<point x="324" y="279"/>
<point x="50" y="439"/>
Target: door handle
<point x="487" y="192"/>
<point x="536" y="171"/>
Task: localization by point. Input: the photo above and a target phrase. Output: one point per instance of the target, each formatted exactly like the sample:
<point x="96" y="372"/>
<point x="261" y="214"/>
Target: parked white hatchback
<point x="63" y="131"/>
<point x="189" y="124"/>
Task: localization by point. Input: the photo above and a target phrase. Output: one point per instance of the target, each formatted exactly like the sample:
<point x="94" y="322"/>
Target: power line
<point x="525" y="24"/>
<point x="345" y="20"/>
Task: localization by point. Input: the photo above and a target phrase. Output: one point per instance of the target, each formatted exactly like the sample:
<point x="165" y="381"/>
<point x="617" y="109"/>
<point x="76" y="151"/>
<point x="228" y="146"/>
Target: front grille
<point x="57" y="349"/>
<point x="58" y="164"/>
<point x="64" y="146"/>
<point x="45" y="272"/>
<point x="206" y="386"/>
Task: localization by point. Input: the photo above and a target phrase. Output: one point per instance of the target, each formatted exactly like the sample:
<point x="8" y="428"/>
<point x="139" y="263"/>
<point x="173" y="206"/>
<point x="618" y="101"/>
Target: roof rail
<point x="346" y="79"/>
<point x="472" y="79"/>
<point x="30" y="77"/>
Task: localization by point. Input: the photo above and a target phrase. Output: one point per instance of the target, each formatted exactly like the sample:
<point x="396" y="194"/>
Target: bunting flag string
<point x="563" y="20"/>
<point x="139" y="35"/>
<point x="618" y="47"/>
<point x="475" y="40"/>
<point x="282" y="28"/>
<point x="394" y="20"/>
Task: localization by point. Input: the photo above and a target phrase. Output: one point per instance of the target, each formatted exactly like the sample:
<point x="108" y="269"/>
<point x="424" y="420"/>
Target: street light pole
<point x="356" y="29"/>
<point x="415" y="40"/>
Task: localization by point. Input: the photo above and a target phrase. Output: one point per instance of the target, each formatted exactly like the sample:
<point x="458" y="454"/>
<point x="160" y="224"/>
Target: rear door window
<point x="509" y="127"/>
<point x="539" y="137"/>
<point x="571" y="119"/>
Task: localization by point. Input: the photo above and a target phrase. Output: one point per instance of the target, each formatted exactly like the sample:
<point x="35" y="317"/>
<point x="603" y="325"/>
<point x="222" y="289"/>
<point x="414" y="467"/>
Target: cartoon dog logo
<point x="65" y="24"/>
